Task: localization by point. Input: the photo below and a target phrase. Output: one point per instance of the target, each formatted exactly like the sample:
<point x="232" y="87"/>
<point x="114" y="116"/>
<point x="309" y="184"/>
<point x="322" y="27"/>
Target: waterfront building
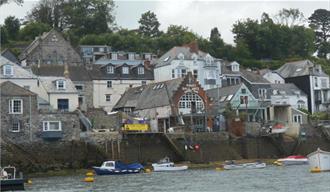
<point x="271" y="76"/>
<point x="112" y="77"/>
<point x="91" y="53"/>
<point x="176" y="103"/>
<point x="178" y="61"/>
<point x="311" y="79"/>
<point x="50" y="48"/>
<point x="80" y="77"/>
<point x="230" y="73"/>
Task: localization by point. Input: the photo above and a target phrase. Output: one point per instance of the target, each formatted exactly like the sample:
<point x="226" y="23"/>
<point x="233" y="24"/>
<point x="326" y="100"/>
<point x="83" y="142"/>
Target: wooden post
<point x="112" y="150"/>
<point x="118" y="145"/>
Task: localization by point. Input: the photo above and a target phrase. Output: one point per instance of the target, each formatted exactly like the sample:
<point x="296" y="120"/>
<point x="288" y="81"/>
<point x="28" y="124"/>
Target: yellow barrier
<point x="136" y="127"/>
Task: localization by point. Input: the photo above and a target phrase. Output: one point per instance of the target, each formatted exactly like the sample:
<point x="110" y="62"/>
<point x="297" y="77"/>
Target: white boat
<point x="319" y="160"/>
<point x="256" y="165"/>
<point x="166" y="165"/>
<point x="293" y="160"/>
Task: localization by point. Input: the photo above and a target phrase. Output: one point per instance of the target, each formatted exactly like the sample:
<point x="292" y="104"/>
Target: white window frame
<point x="8" y="70"/>
<point x="82" y="87"/>
<point x="143" y="82"/>
<point x="11" y="106"/>
<point x="108" y="97"/>
<point x="110" y="69"/>
<point x="46" y="125"/>
<point x="18" y="123"/>
<point x="59" y="86"/>
<point x="262" y="93"/>
<point x="140" y="70"/>
<point x="125" y="70"/>
<point x="109" y="84"/>
<point x="297" y="118"/>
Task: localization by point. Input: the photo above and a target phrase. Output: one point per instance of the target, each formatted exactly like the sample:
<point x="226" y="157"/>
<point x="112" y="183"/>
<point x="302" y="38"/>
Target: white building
<point x="178" y="61"/>
<point x="272" y="76"/>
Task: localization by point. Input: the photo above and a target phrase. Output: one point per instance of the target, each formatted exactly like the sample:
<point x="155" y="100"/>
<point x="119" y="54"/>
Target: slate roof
<point x="76" y="73"/>
<point x="288" y="88"/>
<point x="253" y="77"/>
<point x="10" y="56"/>
<point x="19" y="72"/>
<point x="9" y="88"/>
<point x="299" y="68"/>
<point x="49" y="83"/>
<point x="104" y="61"/>
<point x="149" y="96"/>
<point x="217" y="93"/>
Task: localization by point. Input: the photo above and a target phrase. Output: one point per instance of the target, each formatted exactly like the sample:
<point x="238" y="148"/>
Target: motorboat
<point x="166" y="165"/>
<point x="230" y="165"/>
<point x="292" y="160"/>
<point x="319" y="160"/>
<point x="118" y="168"/>
<point x="9" y="179"/>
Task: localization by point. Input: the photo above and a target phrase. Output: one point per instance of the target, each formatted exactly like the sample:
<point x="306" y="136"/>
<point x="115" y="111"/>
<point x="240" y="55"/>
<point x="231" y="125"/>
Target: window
<point x="173" y="73"/>
<point x="51" y="126"/>
<point x="8" y="70"/>
<point x="301" y="104"/>
<point x="195" y="73"/>
<point x="315" y="82"/>
<point x="244" y="100"/>
<point x="27" y="87"/>
<point x="16" y="106"/>
<point x="109" y="84"/>
<point x="131" y="56"/>
<point x="141" y="70"/>
<point x="60" y="84"/>
<point x="143" y="82"/>
<point x="125" y="70"/>
<point x="108" y="97"/>
<point x="114" y="56"/>
<point x="79" y="87"/>
<point x="262" y="93"/>
<point x="324" y="83"/>
<point x="110" y="70"/>
<point x="127" y="110"/>
<point x="191" y="100"/>
<point x="243" y="91"/>
<point x="80" y="100"/>
<point x="297" y="119"/>
<point x="16" y="126"/>
<point x="63" y="104"/>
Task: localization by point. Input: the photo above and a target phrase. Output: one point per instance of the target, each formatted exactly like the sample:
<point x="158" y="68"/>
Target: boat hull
<point x="319" y="160"/>
<point x="12" y="184"/>
<point x="293" y="162"/>
<point x="100" y="171"/>
<point x="165" y="169"/>
<point x="245" y="166"/>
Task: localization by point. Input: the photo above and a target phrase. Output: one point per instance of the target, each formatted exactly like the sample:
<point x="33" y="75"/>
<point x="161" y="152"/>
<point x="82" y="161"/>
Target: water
<point x="291" y="178"/>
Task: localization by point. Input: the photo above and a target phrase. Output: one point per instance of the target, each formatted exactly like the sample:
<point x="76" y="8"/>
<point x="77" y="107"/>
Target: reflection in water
<point x="277" y="179"/>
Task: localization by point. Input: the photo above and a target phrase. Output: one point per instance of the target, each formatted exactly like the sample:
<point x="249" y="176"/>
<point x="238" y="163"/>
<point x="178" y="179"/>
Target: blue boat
<point x="118" y="168"/>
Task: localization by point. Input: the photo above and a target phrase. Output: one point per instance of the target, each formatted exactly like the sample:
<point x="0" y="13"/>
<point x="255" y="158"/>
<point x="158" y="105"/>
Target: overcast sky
<point x="199" y="16"/>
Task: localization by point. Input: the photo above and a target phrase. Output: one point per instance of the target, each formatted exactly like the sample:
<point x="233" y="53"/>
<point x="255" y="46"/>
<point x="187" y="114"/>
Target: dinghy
<point x="166" y="165"/>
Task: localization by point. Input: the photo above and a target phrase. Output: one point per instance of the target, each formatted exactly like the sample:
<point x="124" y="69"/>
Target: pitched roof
<point x="19" y="72"/>
<point x="149" y="96"/>
<point x="217" y="93"/>
<point x="253" y="77"/>
<point x="76" y="73"/>
<point x="49" y="83"/>
<point x="104" y="61"/>
<point x="287" y="88"/>
<point x="9" y="88"/>
<point x="10" y="56"/>
<point x="299" y="68"/>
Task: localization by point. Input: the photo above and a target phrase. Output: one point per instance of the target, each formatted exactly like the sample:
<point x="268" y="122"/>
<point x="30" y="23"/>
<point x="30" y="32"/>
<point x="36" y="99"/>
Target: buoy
<point x="89" y="174"/>
<point x="148" y="170"/>
<point x="29" y="181"/>
<point x="219" y="169"/>
<point x="315" y="170"/>
<point x="89" y="179"/>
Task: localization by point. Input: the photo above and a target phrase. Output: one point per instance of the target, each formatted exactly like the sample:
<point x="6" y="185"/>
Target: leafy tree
<point x="149" y="25"/>
<point x="290" y="17"/>
<point x="320" y="22"/>
<point x="18" y="2"/>
<point x="12" y="26"/>
<point x="32" y="30"/>
<point x="4" y="35"/>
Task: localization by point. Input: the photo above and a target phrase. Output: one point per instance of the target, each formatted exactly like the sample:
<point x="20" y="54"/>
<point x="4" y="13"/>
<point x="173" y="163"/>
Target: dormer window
<point x="131" y="56"/>
<point x="147" y="56"/>
<point x="125" y="70"/>
<point x="141" y="70"/>
<point x="8" y="70"/>
<point x="110" y="69"/>
<point x="235" y="67"/>
<point x="114" y="56"/>
<point x="60" y="85"/>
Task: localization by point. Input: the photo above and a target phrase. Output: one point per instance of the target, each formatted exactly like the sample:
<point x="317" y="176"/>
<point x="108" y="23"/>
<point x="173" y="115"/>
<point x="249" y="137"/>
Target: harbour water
<point x="272" y="178"/>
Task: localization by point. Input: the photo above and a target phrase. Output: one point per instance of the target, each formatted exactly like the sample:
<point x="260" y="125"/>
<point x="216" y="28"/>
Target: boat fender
<point x="147" y="170"/>
<point x="219" y="169"/>
<point x="29" y="181"/>
<point x="90" y="174"/>
<point x="89" y="179"/>
<point x="315" y="170"/>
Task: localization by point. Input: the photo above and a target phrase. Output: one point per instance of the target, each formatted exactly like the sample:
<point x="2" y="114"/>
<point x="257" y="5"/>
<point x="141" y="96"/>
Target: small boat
<point x="166" y="165"/>
<point x="118" y="168"/>
<point x="319" y="160"/>
<point x="230" y="165"/>
<point x="292" y="160"/>
<point x="9" y="180"/>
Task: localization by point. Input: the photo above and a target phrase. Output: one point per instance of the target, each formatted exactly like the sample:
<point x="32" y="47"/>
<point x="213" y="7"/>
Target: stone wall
<point x="87" y="92"/>
<point x="101" y="120"/>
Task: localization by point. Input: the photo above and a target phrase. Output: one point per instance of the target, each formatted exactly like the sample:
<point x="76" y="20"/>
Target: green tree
<point x="149" y="25"/>
<point x="32" y="30"/>
<point x="18" y="2"/>
<point x="290" y="17"/>
<point x="4" y="35"/>
<point x="12" y="26"/>
<point x="320" y="22"/>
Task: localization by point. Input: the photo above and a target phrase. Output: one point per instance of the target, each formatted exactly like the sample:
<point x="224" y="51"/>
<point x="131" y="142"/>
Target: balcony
<point x="52" y="135"/>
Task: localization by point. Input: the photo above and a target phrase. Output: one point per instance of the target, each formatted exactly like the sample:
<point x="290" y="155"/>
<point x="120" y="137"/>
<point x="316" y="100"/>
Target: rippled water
<point x="291" y="178"/>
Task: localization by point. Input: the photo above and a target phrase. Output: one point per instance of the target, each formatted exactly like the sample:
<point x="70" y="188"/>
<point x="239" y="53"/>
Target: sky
<point x="199" y="16"/>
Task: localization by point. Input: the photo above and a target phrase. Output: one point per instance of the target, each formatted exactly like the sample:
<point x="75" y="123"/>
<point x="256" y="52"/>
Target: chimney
<point x="193" y="46"/>
<point x="66" y="71"/>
